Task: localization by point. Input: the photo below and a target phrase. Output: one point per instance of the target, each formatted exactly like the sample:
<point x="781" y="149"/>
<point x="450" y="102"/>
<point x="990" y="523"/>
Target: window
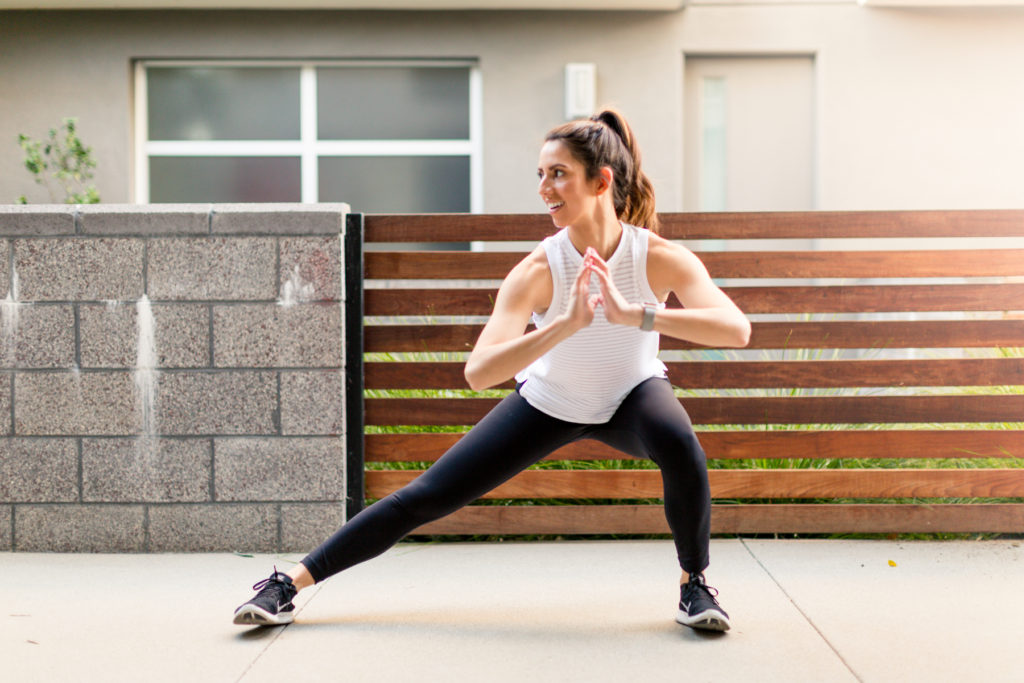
<point x="388" y="137"/>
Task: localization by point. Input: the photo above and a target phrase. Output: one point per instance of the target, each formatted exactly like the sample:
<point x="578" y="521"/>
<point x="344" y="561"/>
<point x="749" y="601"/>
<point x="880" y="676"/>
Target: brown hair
<point x="605" y="139"/>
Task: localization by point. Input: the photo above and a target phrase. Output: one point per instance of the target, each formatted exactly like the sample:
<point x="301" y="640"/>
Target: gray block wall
<point x="171" y="377"/>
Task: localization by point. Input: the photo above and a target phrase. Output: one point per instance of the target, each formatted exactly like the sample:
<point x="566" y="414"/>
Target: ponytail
<point x="605" y="139"/>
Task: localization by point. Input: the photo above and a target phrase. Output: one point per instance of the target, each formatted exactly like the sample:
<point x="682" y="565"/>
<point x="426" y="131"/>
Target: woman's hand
<point x="580" y="311"/>
<point x="617" y="310"/>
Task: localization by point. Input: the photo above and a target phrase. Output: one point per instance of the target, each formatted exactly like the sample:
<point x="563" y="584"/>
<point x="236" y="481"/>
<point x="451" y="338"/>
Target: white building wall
<point x="916" y="109"/>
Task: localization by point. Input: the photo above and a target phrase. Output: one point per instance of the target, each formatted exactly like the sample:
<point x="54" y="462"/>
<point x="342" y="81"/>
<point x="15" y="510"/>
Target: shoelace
<point x="272" y="580"/>
<point x="696" y="583"/>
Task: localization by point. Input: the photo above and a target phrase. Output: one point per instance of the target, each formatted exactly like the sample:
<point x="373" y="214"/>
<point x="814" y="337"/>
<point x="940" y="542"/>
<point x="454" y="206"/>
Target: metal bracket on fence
<point x="355" y="418"/>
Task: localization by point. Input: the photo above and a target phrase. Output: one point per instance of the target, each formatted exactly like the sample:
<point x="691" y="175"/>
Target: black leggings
<point x="650" y="423"/>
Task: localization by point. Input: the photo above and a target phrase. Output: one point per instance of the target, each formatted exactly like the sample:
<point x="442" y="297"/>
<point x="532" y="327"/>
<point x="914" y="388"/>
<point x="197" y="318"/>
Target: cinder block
<point x="79" y="528"/>
<point x="151" y="219"/>
<point x="204" y="269"/>
<point x="37" y="335"/>
<point x="310" y="269"/>
<point x="79" y="269"/>
<point x="212" y="403"/>
<point x="145" y="470"/>
<point x="279" y="469"/>
<point x="76" y="403"/>
<point x="37" y="219"/>
<point x="38" y="470"/>
<point x="304" y="526"/>
<point x="313" y="402"/>
<point x="6" y="527"/>
<point x="279" y="219"/>
<point x="5" y="270"/>
<point x="213" y="528"/>
<point x="5" y="405"/>
<point x="110" y="335"/>
<point x="268" y="336"/>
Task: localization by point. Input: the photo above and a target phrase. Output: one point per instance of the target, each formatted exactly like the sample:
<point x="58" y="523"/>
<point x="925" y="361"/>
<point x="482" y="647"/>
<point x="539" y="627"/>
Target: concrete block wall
<point x="171" y="377"/>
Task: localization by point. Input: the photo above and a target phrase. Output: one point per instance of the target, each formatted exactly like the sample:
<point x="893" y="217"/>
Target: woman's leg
<point x="509" y="439"/>
<point x="652" y="424"/>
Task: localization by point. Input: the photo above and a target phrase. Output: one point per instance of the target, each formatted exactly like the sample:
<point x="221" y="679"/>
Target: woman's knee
<point x="676" y="449"/>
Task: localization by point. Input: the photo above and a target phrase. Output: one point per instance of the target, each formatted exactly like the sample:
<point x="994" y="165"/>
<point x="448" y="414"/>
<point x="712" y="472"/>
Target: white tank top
<point x="585" y="377"/>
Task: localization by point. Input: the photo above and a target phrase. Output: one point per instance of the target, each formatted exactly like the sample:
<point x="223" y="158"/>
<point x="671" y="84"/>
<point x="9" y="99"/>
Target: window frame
<point x="309" y="149"/>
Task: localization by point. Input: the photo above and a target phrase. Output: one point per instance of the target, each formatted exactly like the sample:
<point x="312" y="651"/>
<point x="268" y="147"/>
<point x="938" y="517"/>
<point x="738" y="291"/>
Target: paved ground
<point x="530" y="613"/>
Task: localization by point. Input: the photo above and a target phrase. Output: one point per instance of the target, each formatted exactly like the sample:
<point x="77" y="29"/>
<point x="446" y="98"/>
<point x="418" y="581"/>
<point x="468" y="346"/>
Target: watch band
<point x="647" y="324"/>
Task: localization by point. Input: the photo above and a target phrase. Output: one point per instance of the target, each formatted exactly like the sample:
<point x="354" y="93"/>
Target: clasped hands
<point x="583" y="304"/>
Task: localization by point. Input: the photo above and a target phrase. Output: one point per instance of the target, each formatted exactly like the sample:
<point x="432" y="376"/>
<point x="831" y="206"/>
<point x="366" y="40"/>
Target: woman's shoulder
<point x="530" y="280"/>
<point x="532" y="268"/>
<point x="669" y="261"/>
<point x="659" y="247"/>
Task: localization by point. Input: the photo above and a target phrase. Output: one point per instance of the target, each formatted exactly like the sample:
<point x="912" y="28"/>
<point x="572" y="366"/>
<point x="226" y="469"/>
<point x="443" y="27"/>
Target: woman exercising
<point x="589" y="370"/>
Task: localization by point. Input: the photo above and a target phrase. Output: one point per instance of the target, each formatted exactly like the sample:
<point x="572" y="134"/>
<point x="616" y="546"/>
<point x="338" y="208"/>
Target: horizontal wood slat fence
<point x="863" y="354"/>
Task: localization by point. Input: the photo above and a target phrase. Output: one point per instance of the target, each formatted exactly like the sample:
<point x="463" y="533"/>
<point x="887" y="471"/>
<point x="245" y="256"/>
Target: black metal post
<point x="355" y="418"/>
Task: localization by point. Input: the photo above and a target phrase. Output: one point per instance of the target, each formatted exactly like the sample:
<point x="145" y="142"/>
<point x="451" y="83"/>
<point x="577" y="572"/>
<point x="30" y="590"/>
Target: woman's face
<point x="564" y="186"/>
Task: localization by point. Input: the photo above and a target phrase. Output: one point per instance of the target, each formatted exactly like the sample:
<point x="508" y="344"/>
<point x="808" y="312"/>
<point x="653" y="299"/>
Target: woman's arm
<point x="710" y="317"/>
<point x="502" y="349"/>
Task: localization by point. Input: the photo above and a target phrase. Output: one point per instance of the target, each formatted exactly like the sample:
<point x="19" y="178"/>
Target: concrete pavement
<point x="802" y="610"/>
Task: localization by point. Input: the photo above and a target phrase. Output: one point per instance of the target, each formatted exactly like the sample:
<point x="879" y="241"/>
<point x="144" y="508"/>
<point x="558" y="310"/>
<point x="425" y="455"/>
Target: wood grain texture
<point x="793" y="300"/>
<point x="458" y="265"/>
<point x="734" y="519"/>
<point x="796" y="444"/>
<point x="751" y="374"/>
<point x="898" y="334"/>
<point x="743" y="410"/>
<point x="714" y="226"/>
<point x="845" y="483"/>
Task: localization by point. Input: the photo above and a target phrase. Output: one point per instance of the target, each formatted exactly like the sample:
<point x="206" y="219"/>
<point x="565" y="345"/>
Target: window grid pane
<point x="224" y="179"/>
<point x="397" y="184"/>
<point x="224" y="103"/>
<point x="393" y="103"/>
<point x="409" y="135"/>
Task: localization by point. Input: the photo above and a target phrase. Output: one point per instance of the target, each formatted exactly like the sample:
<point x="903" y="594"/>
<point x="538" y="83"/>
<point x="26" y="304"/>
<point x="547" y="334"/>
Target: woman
<point x="596" y="292"/>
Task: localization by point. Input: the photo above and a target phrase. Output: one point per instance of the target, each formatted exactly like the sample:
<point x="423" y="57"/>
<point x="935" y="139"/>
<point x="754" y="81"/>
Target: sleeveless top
<point x="584" y="378"/>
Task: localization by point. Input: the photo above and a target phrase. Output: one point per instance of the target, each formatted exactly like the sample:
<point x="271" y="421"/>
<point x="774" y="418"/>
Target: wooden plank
<point x="733" y="519"/>
<point x="454" y="265"/>
<point x="824" y="299"/>
<point x="847" y="373"/>
<point x="461" y="227"/>
<point x="781" y="483"/>
<point x="797" y="444"/>
<point x="776" y="335"/>
<point x="903" y="443"/>
<point x="743" y="410"/>
<point x="878" y="298"/>
<point x="949" y="263"/>
<point x="715" y="226"/>
<point x="750" y="374"/>
<point x="439" y="265"/>
<point x="420" y="338"/>
<point x="830" y="224"/>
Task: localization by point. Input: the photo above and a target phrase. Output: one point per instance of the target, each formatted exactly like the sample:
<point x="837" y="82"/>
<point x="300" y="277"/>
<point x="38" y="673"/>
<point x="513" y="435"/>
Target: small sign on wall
<point x="580" y="90"/>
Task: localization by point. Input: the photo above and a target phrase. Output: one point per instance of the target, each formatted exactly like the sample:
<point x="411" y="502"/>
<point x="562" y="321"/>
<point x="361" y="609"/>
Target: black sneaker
<point x="272" y="605"/>
<point x="698" y="607"/>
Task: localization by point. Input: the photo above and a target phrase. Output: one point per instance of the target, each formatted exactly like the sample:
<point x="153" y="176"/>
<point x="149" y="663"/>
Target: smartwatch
<point x="647" y="324"/>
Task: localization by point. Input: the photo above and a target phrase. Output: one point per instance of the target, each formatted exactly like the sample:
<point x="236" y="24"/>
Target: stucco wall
<point x="171" y="378"/>
<point x="915" y="109"/>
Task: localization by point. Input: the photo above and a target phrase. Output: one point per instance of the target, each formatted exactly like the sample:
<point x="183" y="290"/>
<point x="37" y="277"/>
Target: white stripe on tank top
<point x="585" y="377"/>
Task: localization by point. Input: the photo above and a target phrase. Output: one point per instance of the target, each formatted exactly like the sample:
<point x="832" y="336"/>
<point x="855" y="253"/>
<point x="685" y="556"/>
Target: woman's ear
<point x="605" y="179"/>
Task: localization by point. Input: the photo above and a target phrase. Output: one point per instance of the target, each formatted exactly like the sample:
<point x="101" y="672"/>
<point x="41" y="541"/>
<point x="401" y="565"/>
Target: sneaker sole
<point x="708" y="620"/>
<point x="251" y="615"/>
